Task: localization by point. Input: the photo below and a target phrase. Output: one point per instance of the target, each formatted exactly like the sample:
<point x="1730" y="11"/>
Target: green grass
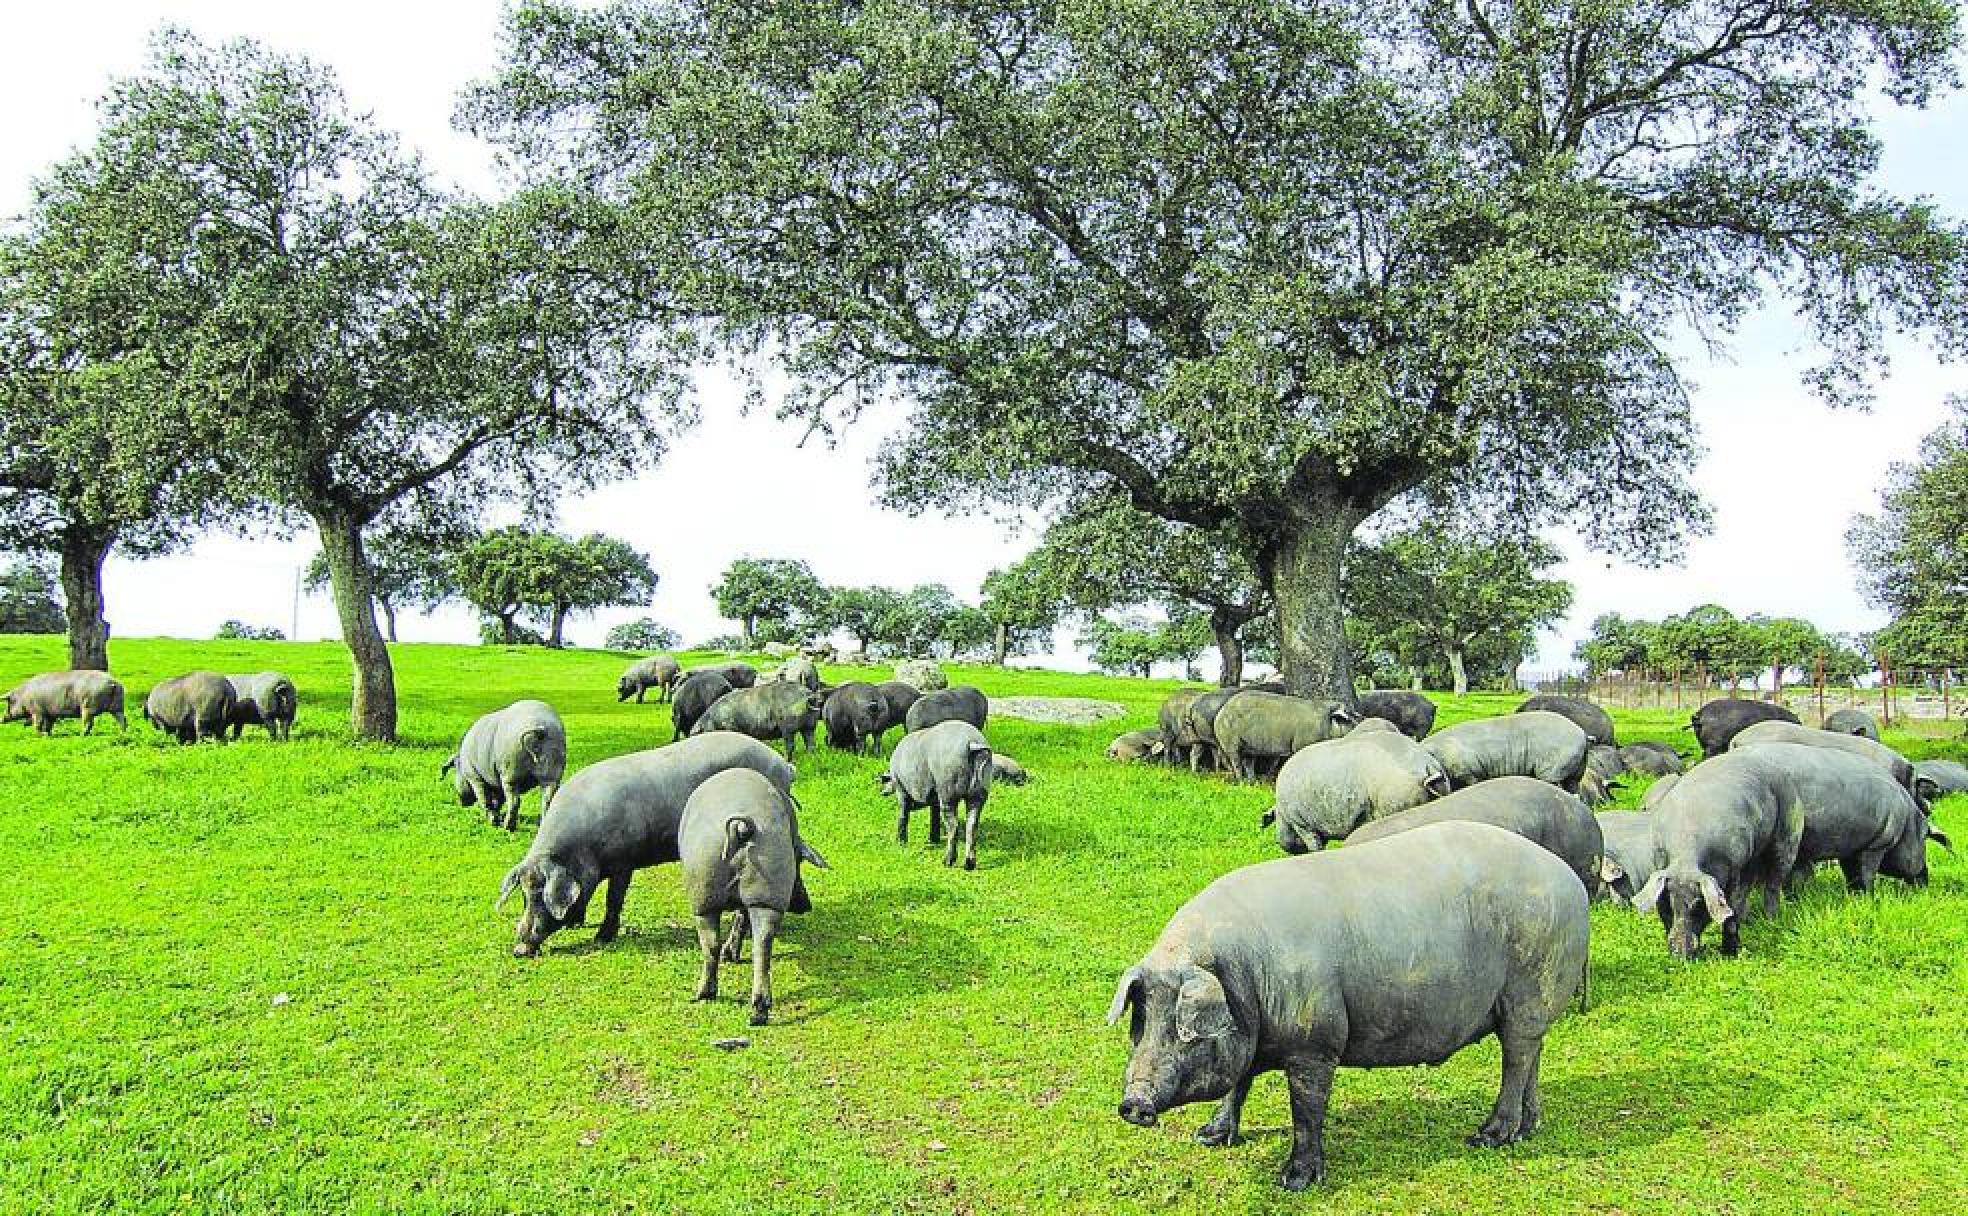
<point x="268" y="978"/>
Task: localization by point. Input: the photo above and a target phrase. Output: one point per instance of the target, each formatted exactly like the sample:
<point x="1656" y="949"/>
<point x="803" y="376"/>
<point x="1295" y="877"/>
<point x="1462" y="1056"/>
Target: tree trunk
<point x="1458" y="670"/>
<point x="82" y="554"/>
<point x="1000" y="644"/>
<point x="1230" y="646"/>
<point x="559" y="628"/>
<point x="1414" y="681"/>
<point x="749" y="625"/>
<point x="1312" y="649"/>
<point x="508" y="635"/>
<point x="389" y="618"/>
<point x="372" y="714"/>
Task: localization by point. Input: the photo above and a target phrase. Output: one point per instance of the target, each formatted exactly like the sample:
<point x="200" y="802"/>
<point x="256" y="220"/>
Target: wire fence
<point x="1891" y="694"/>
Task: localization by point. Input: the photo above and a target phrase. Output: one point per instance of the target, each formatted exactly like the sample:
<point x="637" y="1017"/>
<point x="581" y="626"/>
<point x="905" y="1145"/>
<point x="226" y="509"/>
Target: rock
<point x="1074" y="711"/>
<point x="921" y="674"/>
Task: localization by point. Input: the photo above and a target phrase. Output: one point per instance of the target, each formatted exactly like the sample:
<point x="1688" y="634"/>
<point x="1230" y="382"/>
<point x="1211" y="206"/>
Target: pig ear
<point x="1646" y="897"/>
<point x="560" y="892"/>
<point x="1939" y="837"/>
<point x="1123" y="993"/>
<point x="506" y="888"/>
<point x="1926" y="789"/>
<point x="1437" y="783"/>
<point x="1718" y="905"/>
<point x="1610" y="871"/>
<point x="1202" y="1011"/>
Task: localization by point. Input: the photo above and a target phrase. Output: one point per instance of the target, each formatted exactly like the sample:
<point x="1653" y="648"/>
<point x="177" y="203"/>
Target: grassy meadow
<point x="267" y="977"/>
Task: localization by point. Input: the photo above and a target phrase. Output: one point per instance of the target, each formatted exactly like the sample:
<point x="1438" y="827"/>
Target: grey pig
<point x="1729" y="824"/>
<point x="900" y="697"/>
<point x="1629" y="858"/>
<point x="1007" y="770"/>
<point x="1529" y="743"/>
<point x="1594" y="721"/>
<point x="1398" y="952"/>
<point x="1330" y="788"/>
<point x="1717" y="722"/>
<point x="941" y="767"/>
<point x="1853" y="722"/>
<point x="616" y="817"/>
<point x="1411" y="713"/>
<point x="1653" y="759"/>
<point x="740" y="846"/>
<point x="196" y="705"/>
<point x="506" y="753"/>
<point x="1536" y="810"/>
<point x="1137" y="745"/>
<point x="1178" y="740"/>
<point x="766" y="711"/>
<point x="1857" y="816"/>
<point x="1946" y="776"/>
<point x="960" y="703"/>
<point x="693" y="698"/>
<point x="1199" y="724"/>
<point x="265" y="698"/>
<point x="1888" y="761"/>
<point x="738" y="675"/>
<point x="660" y="672"/>
<point x="1605" y="762"/>
<point x="855" y="714"/>
<point x="1259" y="727"/>
<point x="1657" y="791"/>
<point x="45" y="699"/>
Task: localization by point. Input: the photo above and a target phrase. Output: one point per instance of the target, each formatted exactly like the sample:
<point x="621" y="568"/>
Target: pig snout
<point x="525" y="949"/>
<point x="1138" y="1110"/>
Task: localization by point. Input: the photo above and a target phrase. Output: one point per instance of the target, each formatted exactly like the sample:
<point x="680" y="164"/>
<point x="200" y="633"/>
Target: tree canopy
<point x="1912" y="556"/>
<point x="513" y="571"/>
<point x="1260" y="268"/>
<point x="782" y="595"/>
<point x="1133" y="644"/>
<point x="413" y="562"/>
<point x="29" y="600"/>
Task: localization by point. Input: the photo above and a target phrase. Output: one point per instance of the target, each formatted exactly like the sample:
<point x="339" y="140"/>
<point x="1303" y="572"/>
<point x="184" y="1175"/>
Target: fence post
<point x="1885" y="689"/>
<point x="1818" y="678"/>
<point x="1947" y="689"/>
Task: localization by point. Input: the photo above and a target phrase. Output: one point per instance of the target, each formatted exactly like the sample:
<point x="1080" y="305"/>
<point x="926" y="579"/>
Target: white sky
<point x="1783" y="473"/>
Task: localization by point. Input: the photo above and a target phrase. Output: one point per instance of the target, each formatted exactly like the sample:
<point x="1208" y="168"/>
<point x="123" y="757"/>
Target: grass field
<point x="268" y="977"/>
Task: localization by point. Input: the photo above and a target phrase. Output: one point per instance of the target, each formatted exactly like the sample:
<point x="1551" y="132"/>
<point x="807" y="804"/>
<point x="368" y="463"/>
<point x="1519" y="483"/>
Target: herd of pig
<point x="1458" y="908"/>
<point x="1456" y="911"/>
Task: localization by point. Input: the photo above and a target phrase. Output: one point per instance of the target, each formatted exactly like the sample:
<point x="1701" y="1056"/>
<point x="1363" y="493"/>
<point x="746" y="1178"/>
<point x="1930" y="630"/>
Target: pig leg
<point x="765" y="923"/>
<point x="1860" y="871"/>
<point x="707" y="941"/>
<point x="902" y="821"/>
<point x="611" y="917"/>
<point x="970" y="833"/>
<point x="1520" y="1059"/>
<point x="1221" y="1130"/>
<point x="953" y="824"/>
<point x="936" y="819"/>
<point x="807" y="735"/>
<point x="734" y="942"/>
<point x="512" y="809"/>
<point x="790" y="736"/>
<point x="88" y="721"/>
<point x="1310" y="1083"/>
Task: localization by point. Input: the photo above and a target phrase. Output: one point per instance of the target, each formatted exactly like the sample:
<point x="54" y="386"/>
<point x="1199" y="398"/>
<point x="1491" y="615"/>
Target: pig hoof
<point x="1494" y="1135"/>
<point x="604" y="935"/>
<point x="707" y="994"/>
<point x="1213" y="1136"/>
<point x="1300" y="1175"/>
<point x="522" y="950"/>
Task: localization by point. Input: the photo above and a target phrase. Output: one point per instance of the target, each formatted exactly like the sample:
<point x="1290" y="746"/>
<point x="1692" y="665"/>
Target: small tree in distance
<point x="641" y="634"/>
<point x="28" y="599"/>
<point x="780" y="593"/>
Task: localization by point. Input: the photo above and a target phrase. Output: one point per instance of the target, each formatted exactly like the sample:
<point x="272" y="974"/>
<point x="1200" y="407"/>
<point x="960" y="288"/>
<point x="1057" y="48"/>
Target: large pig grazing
<point x="1890" y="762"/>
<point x="1717" y="722"/>
<point x="196" y="705"/>
<point x="1529" y="743"/>
<point x="1177" y="739"/>
<point x="854" y="714"/>
<point x="1330" y="788"/>
<point x="941" y="767"/>
<point x="1856" y="815"/>
<point x="1138" y="745"/>
<point x="960" y="703"/>
<point x="1729" y="824"/>
<point x="766" y="711"/>
<point x="1628" y="863"/>
<point x="1398" y="952"/>
<point x="1594" y="721"/>
<point x="660" y="672"/>
<point x="265" y="698"/>
<point x="1606" y="763"/>
<point x="1853" y="722"/>
<point x="1653" y="759"/>
<point x="693" y="698"/>
<point x="1946" y="776"/>
<point x="1199" y="727"/>
<point x="617" y="817"/>
<point x="1410" y="712"/>
<point x="740" y="846"/>
<point x="45" y="699"/>
<point x="1260" y="730"/>
<point x="1536" y="810"/>
<point x="506" y="753"/>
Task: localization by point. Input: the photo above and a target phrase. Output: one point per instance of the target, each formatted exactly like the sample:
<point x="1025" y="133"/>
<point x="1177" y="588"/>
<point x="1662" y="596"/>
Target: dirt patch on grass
<point x="1073" y="711"/>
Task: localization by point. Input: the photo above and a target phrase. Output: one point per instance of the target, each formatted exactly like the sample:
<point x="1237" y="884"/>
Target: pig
<point x="1536" y="810"/>
<point x="1944" y="776"/>
<point x="1760" y="734"/>
<point x="1199" y="724"/>
<point x="1594" y="790"/>
<point x="45" y="699"/>
<point x="265" y="698"/>
<point x="959" y="704"/>
<point x="1628" y="862"/>
<point x="1653" y="759"/>
<point x="1258" y="728"/>
<point x="1410" y="712"/>
<point x="1729" y="824"/>
<point x="1138" y="745"/>
<point x="1657" y="791"/>
<point x="738" y="675"/>
<point x="693" y="698"/>
<point x="740" y="846"/>
<point x="504" y="754"/>
<point x="766" y="711"/>
<point x="619" y="816"/>
<point x="939" y="767"/>
<point x="1006" y="771"/>
<point x="1178" y="741"/>
<point x="1594" y="721"/>
<point x="1529" y="743"/>
<point x="1604" y="762"/>
<point x="900" y="697"/>
<point x="1854" y="814"/>
<point x="1716" y="723"/>
<point x="1397" y="952"/>
<point x="1853" y="722"/>
<point x="194" y="706"/>
<point x="855" y="714"/>
<point x="1372" y="725"/>
<point x="1328" y="789"/>
<point x="660" y="672"/>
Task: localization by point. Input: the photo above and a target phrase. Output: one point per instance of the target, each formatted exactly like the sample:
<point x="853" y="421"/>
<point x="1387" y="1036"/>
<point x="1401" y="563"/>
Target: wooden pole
<point x="1885" y="690"/>
<point x="1818" y="678"/>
